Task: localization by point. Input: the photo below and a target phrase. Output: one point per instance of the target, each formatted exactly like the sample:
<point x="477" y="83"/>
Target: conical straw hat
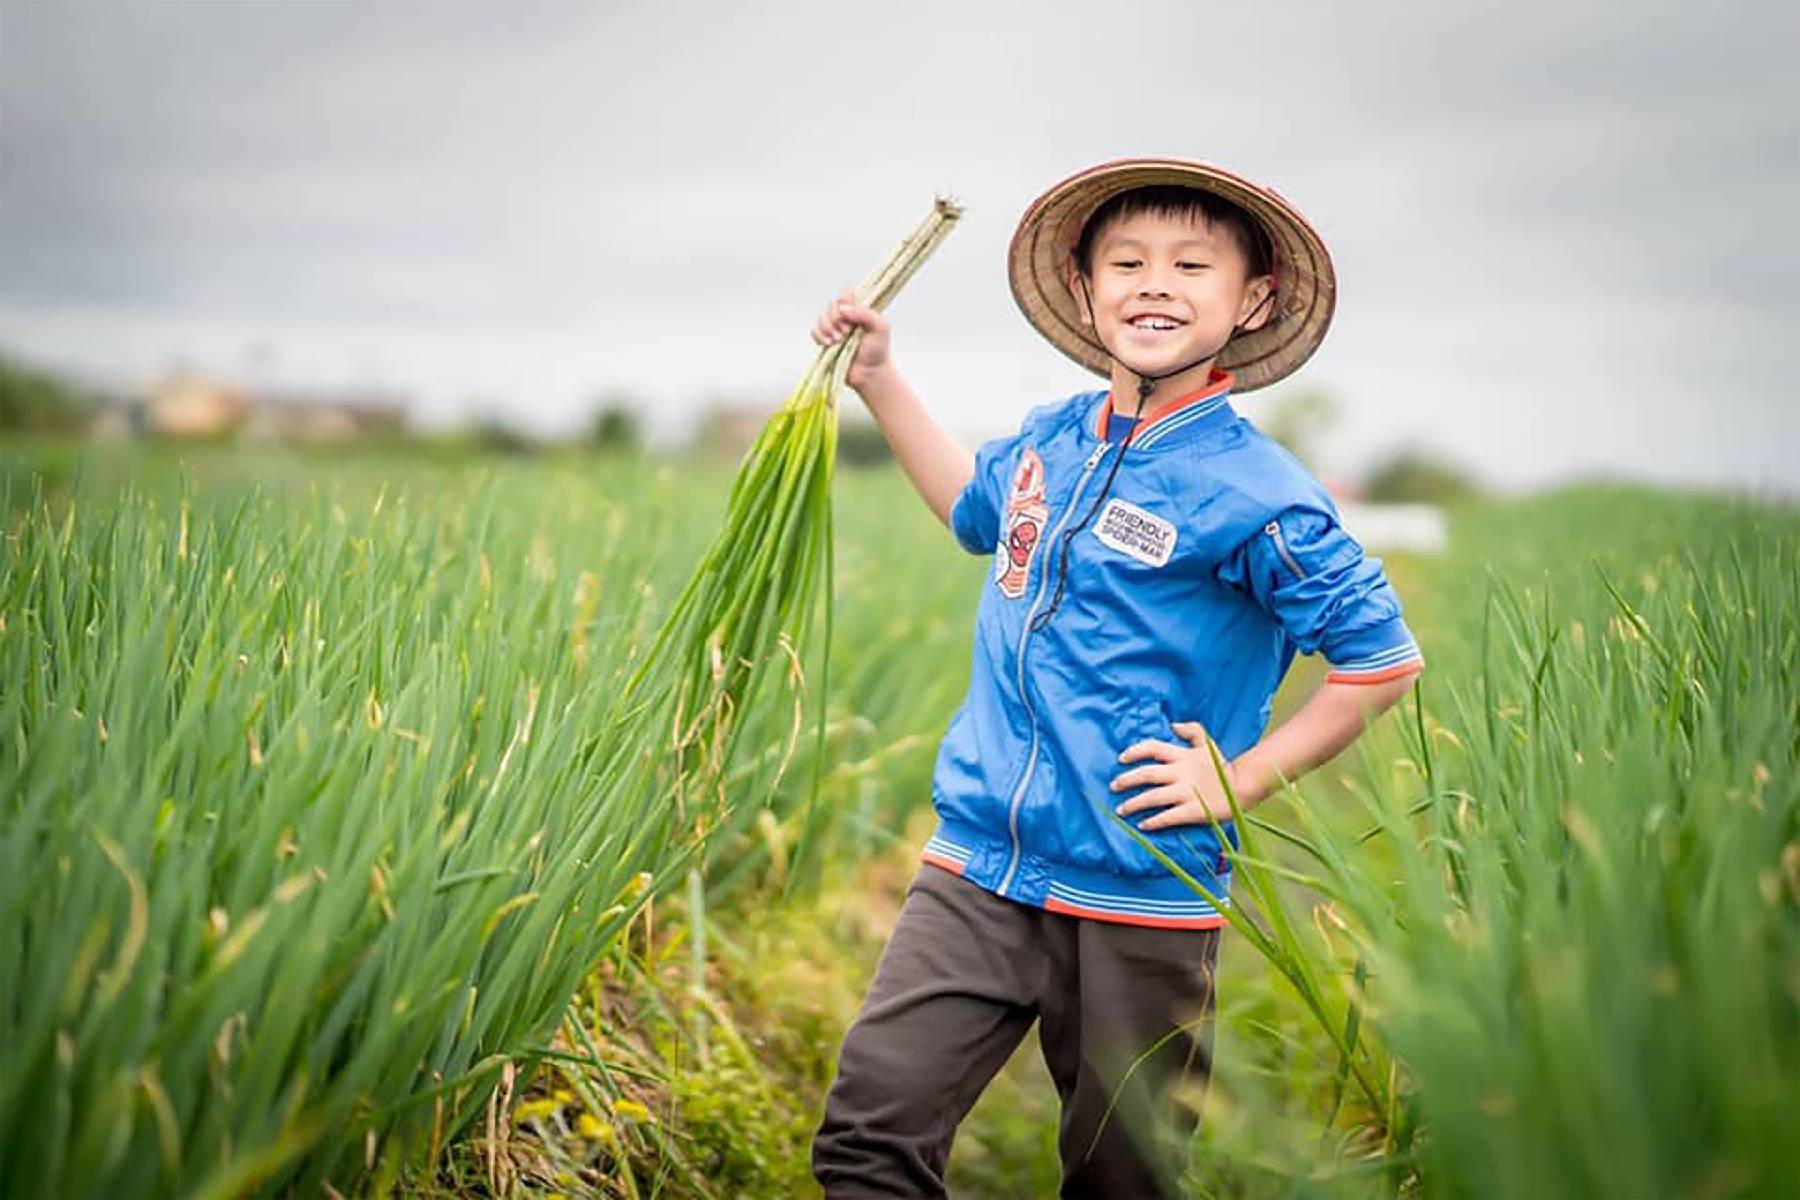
<point x="1305" y="286"/>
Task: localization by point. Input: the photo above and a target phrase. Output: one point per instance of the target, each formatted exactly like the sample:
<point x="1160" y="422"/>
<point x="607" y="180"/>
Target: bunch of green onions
<point x="746" y="616"/>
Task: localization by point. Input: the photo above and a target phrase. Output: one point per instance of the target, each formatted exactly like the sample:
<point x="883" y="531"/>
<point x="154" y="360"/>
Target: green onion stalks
<point x="747" y="612"/>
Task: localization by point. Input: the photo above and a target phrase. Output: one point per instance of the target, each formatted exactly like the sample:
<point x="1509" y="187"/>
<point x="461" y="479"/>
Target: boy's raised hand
<point x="845" y="314"/>
<point x="1182" y="781"/>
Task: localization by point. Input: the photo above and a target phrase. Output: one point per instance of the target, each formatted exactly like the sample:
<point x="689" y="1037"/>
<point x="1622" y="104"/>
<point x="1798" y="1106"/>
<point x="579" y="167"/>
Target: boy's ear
<point x="1073" y="280"/>
<point x="1259" y="303"/>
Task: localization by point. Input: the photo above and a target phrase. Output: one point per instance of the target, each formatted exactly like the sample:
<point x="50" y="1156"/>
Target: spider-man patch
<point x="1022" y="527"/>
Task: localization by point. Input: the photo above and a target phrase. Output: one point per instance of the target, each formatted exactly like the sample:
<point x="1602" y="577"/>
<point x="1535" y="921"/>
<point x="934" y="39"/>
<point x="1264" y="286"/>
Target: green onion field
<point x="347" y="845"/>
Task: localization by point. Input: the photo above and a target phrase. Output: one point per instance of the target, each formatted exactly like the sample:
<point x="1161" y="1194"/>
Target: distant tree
<point x="616" y="427"/>
<point x="1298" y="419"/>
<point x="861" y="444"/>
<point x="1417" y="475"/>
<point x="488" y="431"/>
<point x="498" y="437"/>
<point x="32" y="400"/>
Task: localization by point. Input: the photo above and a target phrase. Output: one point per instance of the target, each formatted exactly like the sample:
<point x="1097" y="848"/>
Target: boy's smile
<point x="1166" y="294"/>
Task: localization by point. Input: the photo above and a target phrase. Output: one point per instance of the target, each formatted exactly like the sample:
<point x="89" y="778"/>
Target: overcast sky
<point x="1565" y="236"/>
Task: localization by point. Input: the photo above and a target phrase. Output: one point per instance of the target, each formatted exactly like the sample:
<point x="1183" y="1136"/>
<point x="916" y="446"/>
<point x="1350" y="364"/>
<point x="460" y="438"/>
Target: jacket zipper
<point x="1012" y="816"/>
<point x="1273" y="529"/>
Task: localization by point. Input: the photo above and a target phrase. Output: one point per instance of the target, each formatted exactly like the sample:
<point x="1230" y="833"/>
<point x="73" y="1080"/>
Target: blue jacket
<point x="1212" y="558"/>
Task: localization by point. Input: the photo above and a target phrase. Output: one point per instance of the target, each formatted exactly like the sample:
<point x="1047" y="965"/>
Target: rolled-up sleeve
<point x="975" y="516"/>
<point x="1326" y="594"/>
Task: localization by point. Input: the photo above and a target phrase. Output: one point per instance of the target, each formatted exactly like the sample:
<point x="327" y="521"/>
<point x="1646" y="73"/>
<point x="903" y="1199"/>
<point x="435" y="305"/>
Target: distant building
<point x="1377" y="526"/>
<point x="117" y="417"/>
<point x="727" y="429"/>
<point x="1420" y="528"/>
<point x="191" y="406"/>
<point x="321" y="420"/>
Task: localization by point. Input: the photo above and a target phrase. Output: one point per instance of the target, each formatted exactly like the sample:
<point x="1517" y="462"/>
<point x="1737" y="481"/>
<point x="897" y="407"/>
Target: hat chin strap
<point x="1147" y="383"/>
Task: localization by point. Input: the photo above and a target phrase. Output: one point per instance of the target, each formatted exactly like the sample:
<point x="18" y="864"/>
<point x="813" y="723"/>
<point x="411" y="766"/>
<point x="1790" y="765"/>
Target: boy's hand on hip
<point x="845" y="314"/>
<point x="1182" y="781"/>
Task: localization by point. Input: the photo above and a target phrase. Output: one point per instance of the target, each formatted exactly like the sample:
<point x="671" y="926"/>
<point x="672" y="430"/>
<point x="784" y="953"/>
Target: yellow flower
<point x="533" y="1109"/>
<point x="630" y="1110"/>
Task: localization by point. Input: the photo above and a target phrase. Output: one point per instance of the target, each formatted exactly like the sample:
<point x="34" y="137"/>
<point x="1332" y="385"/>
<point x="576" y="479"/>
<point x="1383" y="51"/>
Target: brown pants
<point x="961" y="981"/>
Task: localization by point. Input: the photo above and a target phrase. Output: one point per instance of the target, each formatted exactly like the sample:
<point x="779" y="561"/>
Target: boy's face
<point x="1166" y="290"/>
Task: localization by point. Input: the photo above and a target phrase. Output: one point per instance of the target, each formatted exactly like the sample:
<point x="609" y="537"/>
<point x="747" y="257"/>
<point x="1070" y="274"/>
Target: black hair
<point x="1176" y="200"/>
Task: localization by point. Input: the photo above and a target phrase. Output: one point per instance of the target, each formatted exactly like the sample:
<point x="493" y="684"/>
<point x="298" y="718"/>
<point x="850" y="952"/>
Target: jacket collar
<point x="1185" y="415"/>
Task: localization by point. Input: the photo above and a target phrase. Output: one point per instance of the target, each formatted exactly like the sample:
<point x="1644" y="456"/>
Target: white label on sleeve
<point x="1129" y="529"/>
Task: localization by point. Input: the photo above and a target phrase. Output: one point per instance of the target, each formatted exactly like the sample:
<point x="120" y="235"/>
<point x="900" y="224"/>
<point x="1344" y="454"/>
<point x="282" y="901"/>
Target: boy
<point x="1158" y="561"/>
